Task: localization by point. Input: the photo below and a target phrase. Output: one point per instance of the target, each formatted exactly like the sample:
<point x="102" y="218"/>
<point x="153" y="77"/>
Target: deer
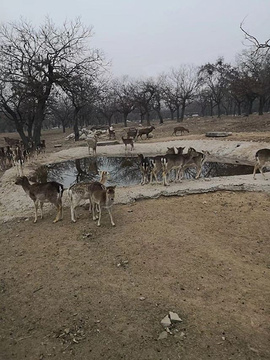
<point x="128" y="142"/>
<point x="40" y="148"/>
<point x="79" y="192"/>
<point x="92" y="144"/>
<point x="11" y="141"/>
<point x="145" y="131"/>
<point x="132" y="133"/>
<point x="40" y="193"/>
<point x="2" y="158"/>
<point x="262" y="157"/>
<point x="181" y="129"/>
<point x="145" y="167"/>
<point x="111" y="133"/>
<point x="175" y="161"/>
<point x="101" y="197"/>
<point x="18" y="160"/>
<point x="9" y="156"/>
<point x="196" y="161"/>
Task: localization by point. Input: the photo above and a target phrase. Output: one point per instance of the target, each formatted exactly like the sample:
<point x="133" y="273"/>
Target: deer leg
<point x="72" y="212"/>
<point x="99" y="216"/>
<point x="58" y="214"/>
<point x="261" y="171"/>
<point x="61" y="211"/>
<point x="110" y="213"/>
<point x="41" y="209"/>
<point x="36" y="210"/>
<point x="93" y="210"/>
<point x="254" y="171"/>
<point x="164" y="174"/>
<point x="90" y="206"/>
<point x="199" y="170"/>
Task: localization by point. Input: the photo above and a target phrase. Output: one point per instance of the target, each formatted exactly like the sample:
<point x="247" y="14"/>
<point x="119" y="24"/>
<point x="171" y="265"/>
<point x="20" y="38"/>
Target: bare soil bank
<point x="76" y="291"/>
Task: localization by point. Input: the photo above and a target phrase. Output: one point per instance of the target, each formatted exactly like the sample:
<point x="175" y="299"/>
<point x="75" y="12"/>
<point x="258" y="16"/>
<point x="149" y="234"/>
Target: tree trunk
<point x="125" y="119"/>
<point x="183" y="108"/>
<point x="211" y="108"/>
<point x="30" y="129"/>
<point x="75" y="125"/>
<point x="219" y="110"/>
<point x="19" y="128"/>
<point x="261" y="104"/>
<point x="38" y="120"/>
<point x="160" y="116"/>
<point x="178" y="114"/>
<point x="172" y="114"/>
<point x="148" y="118"/>
<point x="239" y="108"/>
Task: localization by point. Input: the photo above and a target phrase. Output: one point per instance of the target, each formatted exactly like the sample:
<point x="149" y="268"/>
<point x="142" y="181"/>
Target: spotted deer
<point x="175" y="161"/>
<point x="80" y="191"/>
<point x="101" y="197"/>
<point x="128" y="141"/>
<point x="40" y="193"/>
<point x="262" y="157"/>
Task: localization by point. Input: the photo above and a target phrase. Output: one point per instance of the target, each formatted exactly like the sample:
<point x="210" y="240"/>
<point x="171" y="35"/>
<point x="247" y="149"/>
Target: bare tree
<point x="34" y="60"/>
<point x="124" y="97"/>
<point x="144" y="91"/>
<point x="61" y="109"/>
<point x="106" y="102"/>
<point x="255" y="42"/>
<point x="214" y="77"/>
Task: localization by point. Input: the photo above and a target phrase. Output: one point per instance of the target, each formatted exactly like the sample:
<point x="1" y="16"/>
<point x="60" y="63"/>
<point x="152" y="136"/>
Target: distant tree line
<point x="51" y="77"/>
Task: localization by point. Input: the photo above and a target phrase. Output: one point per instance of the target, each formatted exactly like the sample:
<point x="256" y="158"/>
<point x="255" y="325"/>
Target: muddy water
<point x="124" y="171"/>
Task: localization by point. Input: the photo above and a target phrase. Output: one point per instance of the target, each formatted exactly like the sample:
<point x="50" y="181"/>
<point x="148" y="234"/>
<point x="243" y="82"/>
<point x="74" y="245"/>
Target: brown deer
<point x="11" y="141"/>
<point x="132" y="133"/>
<point x="145" y="131"/>
<point x="196" y="161"/>
<point x="111" y="134"/>
<point x="41" y="147"/>
<point x="181" y="129"/>
<point x="92" y="144"/>
<point x="43" y="192"/>
<point x="18" y="160"/>
<point x="128" y="142"/>
<point x="79" y="192"/>
<point x="174" y="161"/>
<point x="2" y="158"/>
<point x="103" y="197"/>
<point x="262" y="157"/>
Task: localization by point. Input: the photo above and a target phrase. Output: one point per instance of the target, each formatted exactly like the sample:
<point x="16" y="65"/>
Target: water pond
<point x="124" y="171"/>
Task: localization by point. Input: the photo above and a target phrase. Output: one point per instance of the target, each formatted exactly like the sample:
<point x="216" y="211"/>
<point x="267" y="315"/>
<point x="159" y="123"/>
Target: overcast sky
<point x="147" y="37"/>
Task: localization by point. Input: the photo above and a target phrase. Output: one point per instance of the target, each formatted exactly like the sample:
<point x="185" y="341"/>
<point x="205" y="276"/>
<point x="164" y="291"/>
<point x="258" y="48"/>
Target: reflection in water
<point x="123" y="171"/>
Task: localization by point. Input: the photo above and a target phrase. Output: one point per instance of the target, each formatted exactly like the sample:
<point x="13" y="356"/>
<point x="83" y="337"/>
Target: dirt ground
<point x="76" y="291"/>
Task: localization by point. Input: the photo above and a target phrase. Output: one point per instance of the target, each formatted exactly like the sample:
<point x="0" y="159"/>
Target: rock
<point x="163" y="335"/>
<point x="174" y="317"/>
<point x="166" y="322"/>
<point x="142" y="298"/>
<point x="218" y="134"/>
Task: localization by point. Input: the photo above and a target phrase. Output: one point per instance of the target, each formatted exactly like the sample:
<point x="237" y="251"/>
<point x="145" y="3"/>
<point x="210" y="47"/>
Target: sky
<point x="144" y="38"/>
